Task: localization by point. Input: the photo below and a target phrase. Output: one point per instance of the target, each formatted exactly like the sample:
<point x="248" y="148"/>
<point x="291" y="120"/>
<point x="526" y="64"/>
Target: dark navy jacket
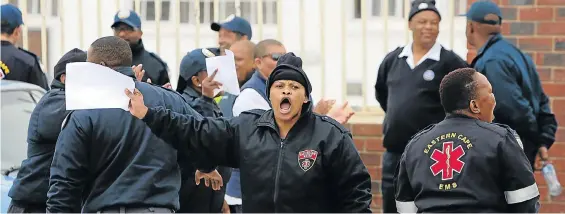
<point x="106" y="158"/>
<point x="31" y="185"/>
<point x="193" y="198"/>
<point x="155" y="68"/>
<point x="520" y="100"/>
<point x="21" y="65"/>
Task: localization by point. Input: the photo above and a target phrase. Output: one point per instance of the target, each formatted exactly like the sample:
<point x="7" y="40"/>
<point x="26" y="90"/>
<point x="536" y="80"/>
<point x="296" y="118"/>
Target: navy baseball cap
<point x="128" y="17"/>
<point x="194" y="62"/>
<point x="235" y="24"/>
<point x="12" y="15"/>
<point x="480" y="9"/>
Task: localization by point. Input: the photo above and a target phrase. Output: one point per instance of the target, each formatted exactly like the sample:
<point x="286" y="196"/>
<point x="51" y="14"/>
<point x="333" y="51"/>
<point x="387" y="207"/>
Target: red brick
<point x="560" y="134"/>
<point x="560" y="120"/>
<point x="551" y="28"/>
<point x="374" y="144"/>
<point x="539" y="179"/>
<point x="551" y="2"/>
<point x="543" y="194"/>
<point x="359" y="144"/>
<point x="505" y="28"/>
<point x="379" y="200"/>
<point x="371" y="159"/>
<point x="559" y="75"/>
<point x="557" y="150"/>
<point x="374" y="173"/>
<point x="367" y="130"/>
<point x="558" y="106"/>
<point x="552" y="208"/>
<point x="554" y="89"/>
<point x="536" y="14"/>
<point x="536" y="44"/>
<point x="544" y="73"/>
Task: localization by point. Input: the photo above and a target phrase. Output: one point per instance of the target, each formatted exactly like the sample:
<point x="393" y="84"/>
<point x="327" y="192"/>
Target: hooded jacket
<point x="315" y="169"/>
<point x="31" y="185"/>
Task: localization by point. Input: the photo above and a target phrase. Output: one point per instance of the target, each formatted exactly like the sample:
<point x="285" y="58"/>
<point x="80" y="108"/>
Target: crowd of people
<point x="458" y="137"/>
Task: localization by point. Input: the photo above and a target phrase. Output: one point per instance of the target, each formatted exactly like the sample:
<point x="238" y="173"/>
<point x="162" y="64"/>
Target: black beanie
<point x="74" y="55"/>
<point x="289" y="67"/>
<point x="423" y="5"/>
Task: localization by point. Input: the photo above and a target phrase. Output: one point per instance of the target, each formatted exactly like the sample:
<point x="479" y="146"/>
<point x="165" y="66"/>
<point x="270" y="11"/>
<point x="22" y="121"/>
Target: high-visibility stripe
<point x="406" y="207"/>
<point x="521" y="195"/>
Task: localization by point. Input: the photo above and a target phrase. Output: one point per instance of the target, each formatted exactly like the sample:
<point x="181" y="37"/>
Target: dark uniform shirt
<point x="155" y="68"/>
<point x="465" y="165"/>
<point x="31" y="185"/>
<point x="410" y="96"/>
<point x="106" y="158"/>
<point x="200" y="199"/>
<point x="315" y="169"/>
<point x="520" y="100"/>
<point x="21" y="65"/>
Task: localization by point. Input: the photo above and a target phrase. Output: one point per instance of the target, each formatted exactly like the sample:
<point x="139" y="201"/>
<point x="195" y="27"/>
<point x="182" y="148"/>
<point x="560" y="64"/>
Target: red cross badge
<point x="447" y="161"/>
<point x="306" y="159"/>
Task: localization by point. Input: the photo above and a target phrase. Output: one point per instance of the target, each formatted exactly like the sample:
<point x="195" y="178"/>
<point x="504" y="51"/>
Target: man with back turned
<point x="465" y="163"/>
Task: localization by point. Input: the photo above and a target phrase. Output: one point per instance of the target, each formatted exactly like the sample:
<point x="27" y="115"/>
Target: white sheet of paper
<point x="93" y="86"/>
<point x="227" y="75"/>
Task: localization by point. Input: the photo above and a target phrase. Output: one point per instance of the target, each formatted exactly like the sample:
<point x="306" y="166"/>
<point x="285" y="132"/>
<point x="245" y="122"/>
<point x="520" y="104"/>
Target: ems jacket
<point x="315" y="169"/>
<point x="106" y="158"/>
<point x="155" y="68"/>
<point x="199" y="198"/>
<point x="31" y="185"/>
<point x="21" y="65"/>
<point x="520" y="100"/>
<point x="465" y="165"/>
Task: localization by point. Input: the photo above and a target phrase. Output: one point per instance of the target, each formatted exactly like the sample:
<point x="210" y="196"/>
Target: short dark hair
<point x="457" y="89"/>
<point x="112" y="50"/>
<point x="7" y="28"/>
<point x="261" y="47"/>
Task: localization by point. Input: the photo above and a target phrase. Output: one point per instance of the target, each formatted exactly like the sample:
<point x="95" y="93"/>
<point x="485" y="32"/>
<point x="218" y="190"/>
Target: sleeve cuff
<point x="150" y="115"/>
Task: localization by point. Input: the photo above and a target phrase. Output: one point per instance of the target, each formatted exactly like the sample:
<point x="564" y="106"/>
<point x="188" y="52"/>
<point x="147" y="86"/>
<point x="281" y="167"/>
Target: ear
<point x="195" y="81"/>
<point x="474" y="107"/>
<point x="103" y="63"/>
<point x="257" y="62"/>
<point x="62" y="78"/>
<point x="410" y="25"/>
<point x="244" y="37"/>
<point x="140" y="32"/>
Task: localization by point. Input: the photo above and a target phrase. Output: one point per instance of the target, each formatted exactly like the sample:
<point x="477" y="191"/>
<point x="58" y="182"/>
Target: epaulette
<point x="159" y="59"/>
<point x="37" y="59"/>
<point x="334" y="123"/>
<point x="65" y="121"/>
<point x="511" y="131"/>
<point x="425" y="130"/>
<point x="257" y="112"/>
<point x="500" y="129"/>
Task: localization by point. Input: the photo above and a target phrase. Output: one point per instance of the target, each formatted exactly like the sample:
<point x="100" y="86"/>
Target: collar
<point x="457" y="115"/>
<point x="126" y="71"/>
<point x="5" y="42"/>
<point x="267" y="119"/>
<point x="433" y="54"/>
<point x="491" y="41"/>
<point x="56" y="84"/>
<point x="137" y="48"/>
<point x="259" y="75"/>
<point x="188" y="90"/>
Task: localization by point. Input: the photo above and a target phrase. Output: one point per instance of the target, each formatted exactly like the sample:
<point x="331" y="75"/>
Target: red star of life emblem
<point x="447" y="161"/>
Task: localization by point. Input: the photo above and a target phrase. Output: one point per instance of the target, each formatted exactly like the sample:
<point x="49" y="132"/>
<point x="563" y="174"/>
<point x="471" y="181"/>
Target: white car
<point x="18" y="99"/>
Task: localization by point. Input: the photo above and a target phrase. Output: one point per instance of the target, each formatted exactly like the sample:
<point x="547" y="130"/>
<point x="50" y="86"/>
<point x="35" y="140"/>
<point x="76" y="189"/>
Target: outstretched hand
<point x="341" y="114"/>
<point x="323" y="106"/>
<point x="212" y="178"/>
<point x="136" y="106"/>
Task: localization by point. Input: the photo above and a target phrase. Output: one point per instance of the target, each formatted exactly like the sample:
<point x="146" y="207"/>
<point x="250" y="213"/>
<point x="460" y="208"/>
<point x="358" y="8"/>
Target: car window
<point x="17" y="107"/>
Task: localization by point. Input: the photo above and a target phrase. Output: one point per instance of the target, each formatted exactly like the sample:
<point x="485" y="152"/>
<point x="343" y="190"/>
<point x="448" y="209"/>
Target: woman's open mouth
<point x="285" y="106"/>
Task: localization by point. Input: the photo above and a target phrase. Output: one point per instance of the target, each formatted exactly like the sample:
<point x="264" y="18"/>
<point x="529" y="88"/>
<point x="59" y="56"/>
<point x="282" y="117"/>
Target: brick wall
<point x="538" y="28"/>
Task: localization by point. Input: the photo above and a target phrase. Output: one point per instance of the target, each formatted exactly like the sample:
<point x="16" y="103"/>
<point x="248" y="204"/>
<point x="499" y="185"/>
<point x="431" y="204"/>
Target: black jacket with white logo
<point x="465" y="165"/>
<point x="315" y="169"/>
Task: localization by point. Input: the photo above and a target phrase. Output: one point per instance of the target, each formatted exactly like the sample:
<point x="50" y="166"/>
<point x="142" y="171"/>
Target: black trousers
<point x="390" y="160"/>
<point x="17" y="207"/>
<point x="236" y="209"/>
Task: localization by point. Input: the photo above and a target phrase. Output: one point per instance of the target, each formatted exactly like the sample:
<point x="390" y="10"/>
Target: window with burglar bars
<point x="248" y="9"/>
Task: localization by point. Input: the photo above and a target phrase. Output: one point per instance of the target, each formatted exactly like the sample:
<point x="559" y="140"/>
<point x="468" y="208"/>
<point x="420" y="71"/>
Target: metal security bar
<point x="339" y="40"/>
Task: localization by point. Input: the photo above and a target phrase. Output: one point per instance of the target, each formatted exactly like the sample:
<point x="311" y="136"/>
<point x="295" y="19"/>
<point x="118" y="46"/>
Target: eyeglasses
<point x="274" y="56"/>
<point x="123" y="28"/>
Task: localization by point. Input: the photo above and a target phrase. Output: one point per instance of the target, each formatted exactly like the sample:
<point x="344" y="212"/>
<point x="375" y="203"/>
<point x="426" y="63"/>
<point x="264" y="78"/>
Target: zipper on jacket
<point x="279" y="162"/>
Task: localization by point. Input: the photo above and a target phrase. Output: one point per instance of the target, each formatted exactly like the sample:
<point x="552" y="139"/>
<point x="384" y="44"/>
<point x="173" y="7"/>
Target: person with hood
<point x="198" y="198"/>
<point x="290" y="159"/>
<point x="108" y="161"/>
<point x="127" y="25"/>
<point x="29" y="191"/>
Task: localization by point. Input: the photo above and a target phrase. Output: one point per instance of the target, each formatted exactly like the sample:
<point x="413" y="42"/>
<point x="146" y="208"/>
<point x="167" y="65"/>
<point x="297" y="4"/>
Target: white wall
<point x="376" y="45"/>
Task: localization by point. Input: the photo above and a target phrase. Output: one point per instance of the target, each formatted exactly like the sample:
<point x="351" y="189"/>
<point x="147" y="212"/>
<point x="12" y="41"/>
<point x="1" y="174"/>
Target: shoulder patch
<point x="513" y="132"/>
<point x="65" y="121"/>
<point x="500" y="129"/>
<point x="257" y="112"/>
<point x="427" y="129"/>
<point x="334" y="123"/>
